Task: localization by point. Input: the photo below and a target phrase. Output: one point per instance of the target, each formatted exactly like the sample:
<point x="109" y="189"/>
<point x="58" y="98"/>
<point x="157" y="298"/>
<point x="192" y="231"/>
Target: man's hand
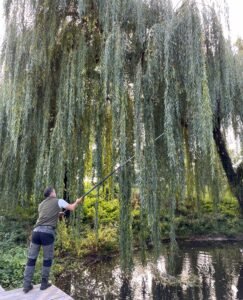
<point x="80" y="200"/>
<point x="61" y="215"/>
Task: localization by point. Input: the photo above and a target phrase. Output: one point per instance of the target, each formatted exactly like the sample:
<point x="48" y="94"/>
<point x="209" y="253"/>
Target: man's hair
<point x="48" y="191"/>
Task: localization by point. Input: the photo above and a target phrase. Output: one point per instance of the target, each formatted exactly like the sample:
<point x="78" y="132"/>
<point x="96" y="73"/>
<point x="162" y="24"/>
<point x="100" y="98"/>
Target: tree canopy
<point x="88" y="83"/>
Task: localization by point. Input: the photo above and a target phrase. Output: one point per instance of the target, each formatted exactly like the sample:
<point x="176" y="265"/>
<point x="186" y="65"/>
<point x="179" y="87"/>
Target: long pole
<point x="116" y="169"/>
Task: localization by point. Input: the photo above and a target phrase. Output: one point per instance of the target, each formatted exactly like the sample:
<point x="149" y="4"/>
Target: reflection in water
<point x="126" y="291"/>
<point x="201" y="273"/>
<point x="240" y="285"/>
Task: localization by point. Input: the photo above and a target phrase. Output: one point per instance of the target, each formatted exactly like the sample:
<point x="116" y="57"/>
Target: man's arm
<point x="73" y="206"/>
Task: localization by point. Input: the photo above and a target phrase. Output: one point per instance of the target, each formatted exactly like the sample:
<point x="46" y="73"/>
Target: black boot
<point x="26" y="289"/>
<point x="44" y="284"/>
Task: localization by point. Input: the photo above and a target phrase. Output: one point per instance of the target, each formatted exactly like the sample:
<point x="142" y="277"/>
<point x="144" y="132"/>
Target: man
<point x="43" y="235"/>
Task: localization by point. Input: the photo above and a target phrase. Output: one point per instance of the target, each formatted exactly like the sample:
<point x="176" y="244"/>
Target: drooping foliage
<point x="93" y="82"/>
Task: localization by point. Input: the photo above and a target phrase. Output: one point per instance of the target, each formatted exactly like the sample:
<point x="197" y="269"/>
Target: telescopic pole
<point x="116" y="169"/>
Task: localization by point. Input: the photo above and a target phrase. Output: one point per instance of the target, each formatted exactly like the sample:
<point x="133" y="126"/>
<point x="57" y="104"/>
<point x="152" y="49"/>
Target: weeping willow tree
<point x="100" y="80"/>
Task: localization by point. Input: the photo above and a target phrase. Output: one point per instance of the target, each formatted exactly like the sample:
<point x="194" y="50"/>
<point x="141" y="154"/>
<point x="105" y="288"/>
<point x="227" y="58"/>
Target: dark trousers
<point x="46" y="240"/>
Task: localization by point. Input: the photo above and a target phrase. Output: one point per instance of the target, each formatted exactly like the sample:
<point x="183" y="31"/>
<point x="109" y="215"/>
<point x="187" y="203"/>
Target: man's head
<point x="49" y="192"/>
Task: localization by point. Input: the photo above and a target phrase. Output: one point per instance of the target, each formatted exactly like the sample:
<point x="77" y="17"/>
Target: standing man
<point x="44" y="235"/>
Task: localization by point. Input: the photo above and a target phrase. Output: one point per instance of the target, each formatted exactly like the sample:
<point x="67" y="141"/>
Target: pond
<point x="201" y="271"/>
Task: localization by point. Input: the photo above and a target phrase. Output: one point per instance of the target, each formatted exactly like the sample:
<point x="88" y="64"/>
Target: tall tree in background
<point x="90" y="82"/>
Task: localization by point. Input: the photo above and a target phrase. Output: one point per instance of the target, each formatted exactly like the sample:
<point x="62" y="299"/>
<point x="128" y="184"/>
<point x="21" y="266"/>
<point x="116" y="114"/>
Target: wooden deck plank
<point x="52" y="293"/>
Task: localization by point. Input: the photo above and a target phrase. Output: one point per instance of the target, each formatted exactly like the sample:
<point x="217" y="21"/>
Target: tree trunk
<point x="235" y="177"/>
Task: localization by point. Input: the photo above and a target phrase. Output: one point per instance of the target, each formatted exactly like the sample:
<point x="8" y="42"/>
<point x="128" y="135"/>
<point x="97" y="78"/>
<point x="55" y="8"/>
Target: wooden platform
<point x="52" y="293"/>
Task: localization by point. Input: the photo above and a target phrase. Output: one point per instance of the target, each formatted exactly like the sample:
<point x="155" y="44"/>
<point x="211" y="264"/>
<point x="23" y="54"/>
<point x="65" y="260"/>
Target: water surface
<point x="200" y="272"/>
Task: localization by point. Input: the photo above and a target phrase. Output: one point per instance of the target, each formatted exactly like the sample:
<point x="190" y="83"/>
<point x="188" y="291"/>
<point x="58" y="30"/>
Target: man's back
<point x="48" y="212"/>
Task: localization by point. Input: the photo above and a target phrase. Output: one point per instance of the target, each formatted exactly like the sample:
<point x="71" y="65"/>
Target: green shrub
<point x="64" y="241"/>
<point x="12" y="264"/>
<point x="229" y="205"/>
<point x="108" y="211"/>
<point x="107" y="241"/>
<point x="68" y="240"/>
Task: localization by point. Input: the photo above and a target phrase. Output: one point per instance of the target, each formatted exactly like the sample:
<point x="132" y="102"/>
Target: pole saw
<point x="109" y="175"/>
<point x="116" y="169"/>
